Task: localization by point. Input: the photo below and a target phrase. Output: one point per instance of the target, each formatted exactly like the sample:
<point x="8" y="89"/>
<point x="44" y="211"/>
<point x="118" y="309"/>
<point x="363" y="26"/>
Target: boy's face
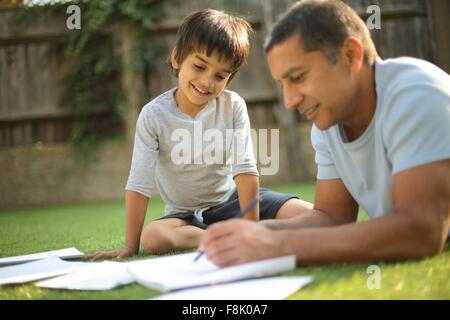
<point x="201" y="78"/>
<point x="311" y="84"/>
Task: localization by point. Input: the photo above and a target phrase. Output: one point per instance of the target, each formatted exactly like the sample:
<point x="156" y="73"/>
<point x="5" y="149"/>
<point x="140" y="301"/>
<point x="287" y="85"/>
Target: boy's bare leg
<point x="167" y="235"/>
<point x="292" y="208"/>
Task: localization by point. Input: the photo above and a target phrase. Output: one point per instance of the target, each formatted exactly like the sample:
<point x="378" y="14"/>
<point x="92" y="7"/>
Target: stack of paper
<point x="68" y="253"/>
<point x="275" y="288"/>
<point x="100" y="276"/>
<point x="178" y="272"/>
<point x="201" y="279"/>
<point x="36" y="266"/>
<point x="165" y="273"/>
<point x="37" y="270"/>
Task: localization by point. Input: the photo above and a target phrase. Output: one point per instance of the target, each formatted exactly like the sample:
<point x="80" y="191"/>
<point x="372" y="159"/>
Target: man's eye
<point x="298" y="78"/>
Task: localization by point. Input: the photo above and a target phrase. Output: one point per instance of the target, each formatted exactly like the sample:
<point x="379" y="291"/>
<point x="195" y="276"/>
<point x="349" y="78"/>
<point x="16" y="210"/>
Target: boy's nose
<point x="206" y="83"/>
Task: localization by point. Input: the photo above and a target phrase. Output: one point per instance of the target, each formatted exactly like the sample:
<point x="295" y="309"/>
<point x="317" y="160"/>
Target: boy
<point x="211" y="46"/>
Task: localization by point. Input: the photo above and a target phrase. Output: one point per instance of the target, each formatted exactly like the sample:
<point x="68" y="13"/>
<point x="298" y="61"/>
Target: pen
<point x="246" y="209"/>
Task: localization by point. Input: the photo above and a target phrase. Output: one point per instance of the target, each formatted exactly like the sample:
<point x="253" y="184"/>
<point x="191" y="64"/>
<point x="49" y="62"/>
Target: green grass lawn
<point x="100" y="226"/>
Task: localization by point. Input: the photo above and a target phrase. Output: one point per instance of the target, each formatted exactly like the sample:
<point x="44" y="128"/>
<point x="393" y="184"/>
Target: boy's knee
<point x="292" y="208"/>
<point x="156" y="239"/>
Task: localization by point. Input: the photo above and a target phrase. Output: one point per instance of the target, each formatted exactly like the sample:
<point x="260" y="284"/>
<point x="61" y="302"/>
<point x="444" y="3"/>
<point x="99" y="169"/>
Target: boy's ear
<point x="173" y="59"/>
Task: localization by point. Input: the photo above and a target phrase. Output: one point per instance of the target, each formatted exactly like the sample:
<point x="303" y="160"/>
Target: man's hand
<point x="114" y="254"/>
<point x="239" y="241"/>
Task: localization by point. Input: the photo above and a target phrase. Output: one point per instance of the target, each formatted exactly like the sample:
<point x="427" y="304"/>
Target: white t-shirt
<point x="411" y="127"/>
<point x="165" y="135"/>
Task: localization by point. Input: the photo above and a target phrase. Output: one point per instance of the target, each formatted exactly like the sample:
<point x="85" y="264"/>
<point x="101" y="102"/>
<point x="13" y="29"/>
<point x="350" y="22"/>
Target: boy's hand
<point x="114" y="254"/>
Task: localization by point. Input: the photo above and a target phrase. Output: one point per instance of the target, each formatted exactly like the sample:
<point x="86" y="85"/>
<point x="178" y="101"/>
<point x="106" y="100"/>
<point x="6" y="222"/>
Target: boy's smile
<point x="201" y="78"/>
<point x="200" y="91"/>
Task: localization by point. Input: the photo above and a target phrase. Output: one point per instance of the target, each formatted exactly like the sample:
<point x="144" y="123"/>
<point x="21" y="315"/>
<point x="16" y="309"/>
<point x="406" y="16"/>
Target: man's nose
<point x="292" y="97"/>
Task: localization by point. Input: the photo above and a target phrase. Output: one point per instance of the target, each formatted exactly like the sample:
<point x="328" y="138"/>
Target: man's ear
<point x="173" y="59"/>
<point x="353" y="53"/>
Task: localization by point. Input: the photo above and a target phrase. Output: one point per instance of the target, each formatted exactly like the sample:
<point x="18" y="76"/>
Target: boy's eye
<point x="198" y="67"/>
<point x="220" y="77"/>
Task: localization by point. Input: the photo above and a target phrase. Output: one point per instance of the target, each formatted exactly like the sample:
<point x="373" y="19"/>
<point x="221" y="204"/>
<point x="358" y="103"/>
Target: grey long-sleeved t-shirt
<point x="192" y="161"/>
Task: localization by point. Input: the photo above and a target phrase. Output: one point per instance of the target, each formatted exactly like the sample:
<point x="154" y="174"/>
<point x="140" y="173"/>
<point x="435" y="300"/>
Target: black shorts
<point x="269" y="204"/>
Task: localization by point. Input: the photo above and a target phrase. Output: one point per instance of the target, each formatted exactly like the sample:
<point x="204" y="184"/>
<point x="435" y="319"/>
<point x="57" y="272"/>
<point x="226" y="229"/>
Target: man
<point x="382" y="139"/>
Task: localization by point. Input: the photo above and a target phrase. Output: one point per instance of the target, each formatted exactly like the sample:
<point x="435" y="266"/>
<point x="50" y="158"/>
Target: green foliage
<point x="145" y="54"/>
<point x="91" y="80"/>
<point x="91" y="87"/>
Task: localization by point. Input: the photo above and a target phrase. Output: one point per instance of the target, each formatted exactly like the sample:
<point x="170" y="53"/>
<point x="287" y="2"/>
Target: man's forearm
<point x="136" y="209"/>
<point x="388" y="238"/>
<point x="309" y="219"/>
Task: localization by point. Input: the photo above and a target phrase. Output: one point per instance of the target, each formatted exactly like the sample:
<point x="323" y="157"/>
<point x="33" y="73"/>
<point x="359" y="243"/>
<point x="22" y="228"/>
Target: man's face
<point x="311" y="84"/>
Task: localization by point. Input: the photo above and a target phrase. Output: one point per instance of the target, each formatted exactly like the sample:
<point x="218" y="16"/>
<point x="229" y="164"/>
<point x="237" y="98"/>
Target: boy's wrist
<point x="131" y="249"/>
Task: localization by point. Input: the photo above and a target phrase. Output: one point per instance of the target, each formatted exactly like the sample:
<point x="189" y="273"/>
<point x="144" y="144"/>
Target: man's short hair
<point x="322" y="25"/>
<point x="211" y="30"/>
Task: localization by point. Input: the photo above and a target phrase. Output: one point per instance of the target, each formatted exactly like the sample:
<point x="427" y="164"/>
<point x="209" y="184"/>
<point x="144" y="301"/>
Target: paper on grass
<point x="179" y="271"/>
<point x="108" y="275"/>
<point x="275" y="288"/>
<point x="102" y="276"/>
<point x="37" y="270"/>
<point x="62" y="253"/>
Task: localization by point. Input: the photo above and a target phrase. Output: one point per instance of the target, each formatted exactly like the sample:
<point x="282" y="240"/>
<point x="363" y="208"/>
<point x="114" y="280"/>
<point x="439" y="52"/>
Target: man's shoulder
<point x="398" y="73"/>
<point x="405" y="85"/>
<point x="328" y="136"/>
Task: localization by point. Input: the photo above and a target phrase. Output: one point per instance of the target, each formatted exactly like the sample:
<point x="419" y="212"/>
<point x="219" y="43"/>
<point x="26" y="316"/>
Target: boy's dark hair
<point x="322" y="25"/>
<point x="211" y="30"/>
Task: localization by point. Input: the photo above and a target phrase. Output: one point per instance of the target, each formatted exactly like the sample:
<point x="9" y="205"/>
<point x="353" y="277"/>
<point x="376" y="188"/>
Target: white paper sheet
<point x="179" y="271"/>
<point x="62" y="253"/>
<point x="108" y="275"/>
<point x="103" y="276"/>
<point x="275" y="288"/>
<point x="37" y="270"/>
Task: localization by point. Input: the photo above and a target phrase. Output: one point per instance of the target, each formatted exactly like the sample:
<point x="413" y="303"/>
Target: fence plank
<point x="30" y="86"/>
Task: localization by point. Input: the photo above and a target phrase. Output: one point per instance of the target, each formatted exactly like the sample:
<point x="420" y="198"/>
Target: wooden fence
<point x="31" y="80"/>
